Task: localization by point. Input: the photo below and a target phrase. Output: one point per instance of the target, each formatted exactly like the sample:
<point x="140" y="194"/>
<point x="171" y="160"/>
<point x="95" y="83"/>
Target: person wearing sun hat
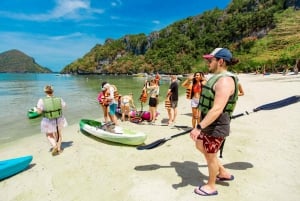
<point x="111" y="97"/>
<point x="217" y="102"/>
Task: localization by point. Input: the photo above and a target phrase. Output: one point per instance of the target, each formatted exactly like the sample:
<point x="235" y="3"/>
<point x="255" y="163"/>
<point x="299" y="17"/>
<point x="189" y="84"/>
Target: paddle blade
<point x="152" y="145"/>
<point x="278" y="104"/>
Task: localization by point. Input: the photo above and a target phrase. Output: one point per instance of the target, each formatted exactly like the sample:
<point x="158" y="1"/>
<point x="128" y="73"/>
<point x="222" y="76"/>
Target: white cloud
<point x="156" y="22"/>
<point x="67" y="9"/>
<point x="69" y="36"/>
<point x="116" y="3"/>
<point x="114" y="17"/>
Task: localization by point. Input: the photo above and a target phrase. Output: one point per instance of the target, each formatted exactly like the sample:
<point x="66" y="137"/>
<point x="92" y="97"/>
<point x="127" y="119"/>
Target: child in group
<point x="126" y="104"/>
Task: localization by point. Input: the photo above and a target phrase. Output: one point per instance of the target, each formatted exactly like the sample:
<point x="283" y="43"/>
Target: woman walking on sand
<point x="53" y="121"/>
<point x="193" y="87"/>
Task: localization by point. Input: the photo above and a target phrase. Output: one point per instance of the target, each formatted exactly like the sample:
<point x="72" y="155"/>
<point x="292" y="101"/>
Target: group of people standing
<point x="212" y="102"/>
<point x="172" y="96"/>
<point x="150" y="92"/>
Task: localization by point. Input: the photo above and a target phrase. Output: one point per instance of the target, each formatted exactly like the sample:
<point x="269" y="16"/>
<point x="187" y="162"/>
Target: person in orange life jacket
<point x="216" y="107"/>
<point x="104" y="105"/>
<point x="52" y="127"/>
<point x="193" y="86"/>
<point x="109" y="92"/>
<point x="172" y="94"/>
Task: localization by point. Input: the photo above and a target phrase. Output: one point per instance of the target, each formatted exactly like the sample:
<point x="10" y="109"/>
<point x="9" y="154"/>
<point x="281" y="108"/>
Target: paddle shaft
<point x="161" y="141"/>
<point x="269" y="106"/>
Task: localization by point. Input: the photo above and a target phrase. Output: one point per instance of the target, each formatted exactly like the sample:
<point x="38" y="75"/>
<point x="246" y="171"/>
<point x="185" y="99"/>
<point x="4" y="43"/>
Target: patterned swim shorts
<point x="210" y="143"/>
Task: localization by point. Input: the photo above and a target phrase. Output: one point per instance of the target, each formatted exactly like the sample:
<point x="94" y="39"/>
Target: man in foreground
<point x="217" y="102"/>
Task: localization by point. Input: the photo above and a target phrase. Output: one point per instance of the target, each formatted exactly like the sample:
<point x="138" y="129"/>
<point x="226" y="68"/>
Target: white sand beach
<point x="262" y="152"/>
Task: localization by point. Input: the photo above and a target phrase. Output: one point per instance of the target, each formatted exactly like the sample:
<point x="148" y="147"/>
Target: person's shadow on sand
<point x="189" y="171"/>
<point x="66" y="144"/>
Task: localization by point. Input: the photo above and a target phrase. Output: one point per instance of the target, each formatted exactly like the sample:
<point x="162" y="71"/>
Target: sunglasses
<point x="212" y="59"/>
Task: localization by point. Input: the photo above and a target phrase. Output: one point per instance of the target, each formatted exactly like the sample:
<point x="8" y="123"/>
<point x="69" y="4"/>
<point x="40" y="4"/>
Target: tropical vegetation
<point x="263" y="34"/>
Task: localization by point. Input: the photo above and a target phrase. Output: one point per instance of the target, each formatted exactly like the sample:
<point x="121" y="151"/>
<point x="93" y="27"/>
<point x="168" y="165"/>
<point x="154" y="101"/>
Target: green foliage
<point x="259" y="33"/>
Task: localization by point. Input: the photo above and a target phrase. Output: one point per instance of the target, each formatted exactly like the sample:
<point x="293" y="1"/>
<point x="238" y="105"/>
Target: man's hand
<point x="195" y="133"/>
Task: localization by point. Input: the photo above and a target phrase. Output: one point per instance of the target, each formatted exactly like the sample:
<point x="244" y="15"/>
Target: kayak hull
<point x="13" y="166"/>
<point x="32" y="113"/>
<point x="123" y="136"/>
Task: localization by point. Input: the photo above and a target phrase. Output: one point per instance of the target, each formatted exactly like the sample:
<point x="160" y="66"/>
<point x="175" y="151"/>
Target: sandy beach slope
<point x="262" y="152"/>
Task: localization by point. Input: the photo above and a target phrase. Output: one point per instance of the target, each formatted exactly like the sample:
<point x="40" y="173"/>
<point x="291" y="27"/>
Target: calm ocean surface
<point x="20" y="92"/>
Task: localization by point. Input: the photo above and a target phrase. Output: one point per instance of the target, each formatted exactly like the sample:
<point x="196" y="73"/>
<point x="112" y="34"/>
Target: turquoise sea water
<point x="20" y="92"/>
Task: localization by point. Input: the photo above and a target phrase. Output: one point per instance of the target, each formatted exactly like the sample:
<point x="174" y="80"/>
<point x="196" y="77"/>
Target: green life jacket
<point x="52" y="107"/>
<point x="208" y="94"/>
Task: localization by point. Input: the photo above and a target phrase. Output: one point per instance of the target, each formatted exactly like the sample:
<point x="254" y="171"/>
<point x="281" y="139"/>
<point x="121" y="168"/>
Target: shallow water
<point x="20" y="92"/>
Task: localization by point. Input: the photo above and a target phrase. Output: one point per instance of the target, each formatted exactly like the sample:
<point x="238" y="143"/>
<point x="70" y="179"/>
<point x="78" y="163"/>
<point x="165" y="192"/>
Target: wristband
<point x="199" y="127"/>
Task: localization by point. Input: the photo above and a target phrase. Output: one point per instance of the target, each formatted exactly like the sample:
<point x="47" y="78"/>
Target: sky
<point x="58" y="32"/>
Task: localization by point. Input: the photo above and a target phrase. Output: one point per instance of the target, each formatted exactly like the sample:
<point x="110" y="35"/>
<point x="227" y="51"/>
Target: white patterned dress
<point x="49" y="125"/>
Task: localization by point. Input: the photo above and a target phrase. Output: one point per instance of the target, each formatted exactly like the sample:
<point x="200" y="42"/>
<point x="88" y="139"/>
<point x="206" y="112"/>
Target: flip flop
<point x="202" y="192"/>
<point x="55" y="151"/>
<point x="225" y="179"/>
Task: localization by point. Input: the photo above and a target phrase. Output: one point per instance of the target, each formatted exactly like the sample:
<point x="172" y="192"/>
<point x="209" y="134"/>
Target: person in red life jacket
<point x="193" y="87"/>
<point x="104" y="105"/>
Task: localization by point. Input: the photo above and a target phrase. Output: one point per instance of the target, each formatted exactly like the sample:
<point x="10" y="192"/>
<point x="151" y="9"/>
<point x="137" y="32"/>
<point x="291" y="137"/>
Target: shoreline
<point x="261" y="150"/>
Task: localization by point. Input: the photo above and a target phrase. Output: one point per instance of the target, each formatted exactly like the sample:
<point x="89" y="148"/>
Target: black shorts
<point x="174" y="104"/>
<point x="152" y="102"/>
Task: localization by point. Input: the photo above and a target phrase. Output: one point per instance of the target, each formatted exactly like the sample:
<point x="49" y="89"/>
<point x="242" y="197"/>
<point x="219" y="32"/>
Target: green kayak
<point x="32" y="113"/>
<point x="112" y="133"/>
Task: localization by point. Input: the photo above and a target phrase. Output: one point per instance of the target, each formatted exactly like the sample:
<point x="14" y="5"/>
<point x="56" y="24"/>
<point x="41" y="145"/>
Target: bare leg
<point x="51" y="138"/>
<point x="106" y="114"/>
<point x="194" y="116"/>
<point x="114" y="119"/>
<point x="152" y="109"/>
<point x="169" y="115"/>
<point x="175" y="114"/>
<point x="215" y="168"/>
<point x="198" y="116"/>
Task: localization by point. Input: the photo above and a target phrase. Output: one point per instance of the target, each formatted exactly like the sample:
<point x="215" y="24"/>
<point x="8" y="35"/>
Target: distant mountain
<point x="15" y="61"/>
